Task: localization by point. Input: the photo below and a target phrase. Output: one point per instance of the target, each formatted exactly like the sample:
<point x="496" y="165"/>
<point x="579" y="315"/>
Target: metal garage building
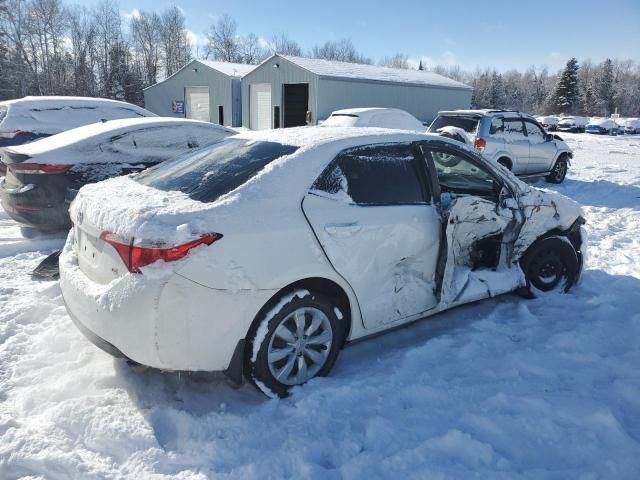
<point x="282" y="89"/>
<point x="202" y="90"/>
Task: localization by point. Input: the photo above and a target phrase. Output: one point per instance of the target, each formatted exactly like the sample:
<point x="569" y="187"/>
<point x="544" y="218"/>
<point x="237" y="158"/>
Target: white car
<point x="374" y="117"/>
<point x="263" y="254"/>
<point x="631" y="126"/>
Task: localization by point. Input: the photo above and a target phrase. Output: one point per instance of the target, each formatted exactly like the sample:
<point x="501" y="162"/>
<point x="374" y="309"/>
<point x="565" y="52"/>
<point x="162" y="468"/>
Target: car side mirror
<point x="549" y="137"/>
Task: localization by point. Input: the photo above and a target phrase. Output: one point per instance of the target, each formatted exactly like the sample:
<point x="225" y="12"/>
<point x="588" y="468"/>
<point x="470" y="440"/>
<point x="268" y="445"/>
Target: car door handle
<point x="342" y="229"/>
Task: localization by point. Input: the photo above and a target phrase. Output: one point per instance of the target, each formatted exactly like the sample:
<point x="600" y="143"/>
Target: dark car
<point x="43" y="176"/>
<point x="27" y="119"/>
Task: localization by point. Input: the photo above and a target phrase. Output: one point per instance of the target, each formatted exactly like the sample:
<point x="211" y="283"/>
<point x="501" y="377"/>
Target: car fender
<point x="502" y="154"/>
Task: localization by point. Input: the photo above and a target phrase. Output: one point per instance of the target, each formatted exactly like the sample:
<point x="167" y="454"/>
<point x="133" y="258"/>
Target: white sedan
<point x="374" y="117"/>
<point x="263" y="254"/>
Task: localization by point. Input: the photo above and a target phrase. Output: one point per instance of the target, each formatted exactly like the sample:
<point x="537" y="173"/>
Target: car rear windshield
<point x="468" y="124"/>
<point x="215" y="171"/>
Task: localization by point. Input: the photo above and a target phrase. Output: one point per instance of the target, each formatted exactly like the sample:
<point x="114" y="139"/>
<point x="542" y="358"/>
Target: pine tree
<point x="589" y="104"/>
<point x="496" y="92"/>
<point x="566" y="96"/>
<point x="420" y="66"/>
<point x="605" y="88"/>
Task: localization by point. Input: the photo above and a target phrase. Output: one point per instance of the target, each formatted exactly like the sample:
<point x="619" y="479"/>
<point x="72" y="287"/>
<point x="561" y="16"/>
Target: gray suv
<point x="513" y="139"/>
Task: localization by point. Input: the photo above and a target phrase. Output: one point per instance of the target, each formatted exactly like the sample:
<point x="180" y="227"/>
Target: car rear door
<point x="376" y="220"/>
<point x="541" y="151"/>
<point x="517" y="144"/>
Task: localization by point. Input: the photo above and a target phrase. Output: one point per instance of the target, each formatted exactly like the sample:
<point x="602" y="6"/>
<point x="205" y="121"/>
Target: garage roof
<point x="228" y="68"/>
<point x="356" y="71"/>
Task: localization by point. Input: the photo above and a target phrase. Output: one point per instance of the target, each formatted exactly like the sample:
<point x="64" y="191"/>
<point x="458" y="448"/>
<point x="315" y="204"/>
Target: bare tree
<point x="222" y="40"/>
<point x="108" y="39"/>
<point x="399" y="60"/>
<point x="82" y="31"/>
<point x="176" y="48"/>
<point x="250" y="50"/>
<point x="145" y="33"/>
<point x="342" y="50"/>
<point x="282" y="44"/>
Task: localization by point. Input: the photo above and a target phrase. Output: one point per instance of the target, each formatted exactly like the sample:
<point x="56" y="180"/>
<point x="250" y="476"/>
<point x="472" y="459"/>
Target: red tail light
<point x="37" y="168"/>
<point x="480" y="144"/>
<point x="137" y="256"/>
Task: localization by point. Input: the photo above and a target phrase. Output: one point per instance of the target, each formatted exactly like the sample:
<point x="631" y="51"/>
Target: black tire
<point x="550" y="264"/>
<point x="559" y="171"/>
<point x="505" y="163"/>
<point x="313" y="306"/>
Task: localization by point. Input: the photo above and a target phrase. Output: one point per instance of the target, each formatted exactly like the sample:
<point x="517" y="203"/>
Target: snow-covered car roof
<point x="548" y="120"/>
<point x="603" y="122"/>
<point x="124" y="206"/>
<point x="374" y="117"/>
<point x="97" y="132"/>
<point x="485" y="111"/>
<point x="50" y="115"/>
<point x="571" y="118"/>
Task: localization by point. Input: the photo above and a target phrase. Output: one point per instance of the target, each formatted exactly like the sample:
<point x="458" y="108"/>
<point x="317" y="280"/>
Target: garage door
<point x="296" y="104"/>
<point x="197" y="103"/>
<point x="260" y="106"/>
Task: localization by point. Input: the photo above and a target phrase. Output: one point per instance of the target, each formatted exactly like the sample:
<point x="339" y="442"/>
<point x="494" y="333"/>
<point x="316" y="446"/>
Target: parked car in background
<point x="43" y="176"/>
<point x="374" y="117"/>
<point x="572" y="124"/>
<point x="261" y="255"/>
<point x="603" y="126"/>
<point x="549" y="123"/>
<point x="514" y="140"/>
<point x="631" y="126"/>
<point x="27" y="119"/>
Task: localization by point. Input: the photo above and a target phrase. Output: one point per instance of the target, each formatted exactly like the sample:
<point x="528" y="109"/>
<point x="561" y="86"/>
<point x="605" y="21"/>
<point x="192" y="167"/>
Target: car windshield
<point x="467" y="123"/>
<point x="215" y="171"/>
<point x="3" y="113"/>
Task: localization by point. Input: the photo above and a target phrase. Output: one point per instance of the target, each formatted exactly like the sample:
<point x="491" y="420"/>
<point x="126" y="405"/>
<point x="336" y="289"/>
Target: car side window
<point x="497" y="126"/>
<point x="514" y="129"/>
<point x="374" y="175"/>
<point x="535" y="133"/>
<point x="459" y="175"/>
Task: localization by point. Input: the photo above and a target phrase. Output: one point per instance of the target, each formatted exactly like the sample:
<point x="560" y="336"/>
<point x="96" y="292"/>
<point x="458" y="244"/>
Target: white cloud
<point x="135" y="13"/>
<point x="196" y="39"/>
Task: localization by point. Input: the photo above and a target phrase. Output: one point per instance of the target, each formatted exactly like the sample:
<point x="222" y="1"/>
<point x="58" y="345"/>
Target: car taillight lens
<point x="37" y="168"/>
<point x="138" y="256"/>
<point x="480" y="144"/>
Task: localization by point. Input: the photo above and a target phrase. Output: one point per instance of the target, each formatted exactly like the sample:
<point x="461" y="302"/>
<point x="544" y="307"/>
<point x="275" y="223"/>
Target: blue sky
<point x="500" y="34"/>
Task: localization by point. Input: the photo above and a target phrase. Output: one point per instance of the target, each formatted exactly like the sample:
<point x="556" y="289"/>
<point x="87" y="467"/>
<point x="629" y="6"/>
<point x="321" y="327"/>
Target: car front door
<point x="482" y="222"/>
<point x="377" y="223"/>
<point x="517" y="144"/>
<point x="542" y="151"/>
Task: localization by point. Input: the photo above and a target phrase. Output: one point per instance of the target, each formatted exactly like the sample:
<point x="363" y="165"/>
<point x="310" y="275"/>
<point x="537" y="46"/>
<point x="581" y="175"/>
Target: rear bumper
<point x="28" y="206"/>
<point x="168" y="322"/>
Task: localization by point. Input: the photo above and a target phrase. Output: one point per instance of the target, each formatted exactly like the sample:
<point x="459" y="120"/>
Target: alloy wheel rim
<point x="299" y="346"/>
<point x="560" y="170"/>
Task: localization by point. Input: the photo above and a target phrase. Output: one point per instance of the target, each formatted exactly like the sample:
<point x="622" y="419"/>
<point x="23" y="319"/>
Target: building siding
<point x="423" y="102"/>
<point x="159" y="97"/>
<point x="277" y="77"/>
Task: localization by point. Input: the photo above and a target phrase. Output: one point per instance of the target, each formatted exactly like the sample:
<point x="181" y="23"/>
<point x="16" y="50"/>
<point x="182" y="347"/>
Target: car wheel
<point x="558" y="172"/>
<point x="297" y="340"/>
<point x="505" y="163"/>
<point x="550" y="264"/>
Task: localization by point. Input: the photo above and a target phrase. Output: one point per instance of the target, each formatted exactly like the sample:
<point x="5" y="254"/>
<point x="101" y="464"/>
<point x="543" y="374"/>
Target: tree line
<point x="50" y="48"/>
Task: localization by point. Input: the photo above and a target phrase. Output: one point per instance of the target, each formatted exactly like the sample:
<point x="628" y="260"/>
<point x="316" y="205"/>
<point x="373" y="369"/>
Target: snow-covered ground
<point x="505" y="388"/>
